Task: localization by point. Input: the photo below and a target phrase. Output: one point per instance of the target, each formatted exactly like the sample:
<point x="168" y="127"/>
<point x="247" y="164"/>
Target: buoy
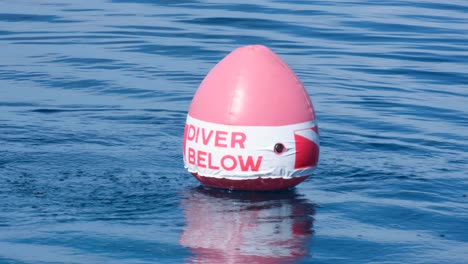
<point x="251" y="125"/>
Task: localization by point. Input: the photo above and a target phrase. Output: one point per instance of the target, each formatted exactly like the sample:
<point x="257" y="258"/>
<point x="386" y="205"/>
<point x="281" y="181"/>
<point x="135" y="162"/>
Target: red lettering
<point x="206" y="138"/>
<point x="198" y="132"/>
<point x="250" y="163"/>
<point x="204" y="159"/>
<point x="221" y="136"/>
<point x="191" y="132"/>
<point x="185" y="139"/>
<point x="210" y="164"/>
<point x="191" y="156"/>
<point x="239" y="138"/>
<point x="201" y="158"/>
<point x="227" y="166"/>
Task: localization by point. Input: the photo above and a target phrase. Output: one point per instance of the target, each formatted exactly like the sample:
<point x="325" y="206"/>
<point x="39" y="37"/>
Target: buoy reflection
<point x="246" y="227"/>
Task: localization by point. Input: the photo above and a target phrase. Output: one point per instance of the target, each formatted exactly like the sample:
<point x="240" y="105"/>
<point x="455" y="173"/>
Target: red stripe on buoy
<point x="307" y="152"/>
<point x="315" y="129"/>
<point x="258" y="184"/>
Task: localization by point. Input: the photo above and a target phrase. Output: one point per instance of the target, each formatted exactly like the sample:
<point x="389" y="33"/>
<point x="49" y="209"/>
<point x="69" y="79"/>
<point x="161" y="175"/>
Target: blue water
<point x="93" y="100"/>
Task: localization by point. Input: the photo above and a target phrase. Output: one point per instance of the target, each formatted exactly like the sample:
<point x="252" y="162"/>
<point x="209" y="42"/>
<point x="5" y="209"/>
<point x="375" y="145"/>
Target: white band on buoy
<point x="249" y="152"/>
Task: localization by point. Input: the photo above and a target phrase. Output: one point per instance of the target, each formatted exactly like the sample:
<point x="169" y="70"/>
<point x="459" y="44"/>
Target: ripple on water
<point x="92" y="109"/>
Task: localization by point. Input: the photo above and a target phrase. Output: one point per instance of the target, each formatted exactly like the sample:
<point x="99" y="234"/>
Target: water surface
<point x="93" y="100"/>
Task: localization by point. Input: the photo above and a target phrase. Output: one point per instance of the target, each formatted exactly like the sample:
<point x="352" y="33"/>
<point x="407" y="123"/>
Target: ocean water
<point x="93" y="101"/>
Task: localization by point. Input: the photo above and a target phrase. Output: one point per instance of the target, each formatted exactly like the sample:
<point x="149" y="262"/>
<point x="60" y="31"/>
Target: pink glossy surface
<point x="252" y="86"/>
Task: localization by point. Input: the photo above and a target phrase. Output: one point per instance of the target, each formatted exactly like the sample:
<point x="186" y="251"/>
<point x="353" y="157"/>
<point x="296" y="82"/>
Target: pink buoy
<point x="251" y="125"/>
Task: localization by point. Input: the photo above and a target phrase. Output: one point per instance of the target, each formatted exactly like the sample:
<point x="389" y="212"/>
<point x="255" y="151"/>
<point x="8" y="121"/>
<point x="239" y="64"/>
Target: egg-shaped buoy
<point x="251" y="125"/>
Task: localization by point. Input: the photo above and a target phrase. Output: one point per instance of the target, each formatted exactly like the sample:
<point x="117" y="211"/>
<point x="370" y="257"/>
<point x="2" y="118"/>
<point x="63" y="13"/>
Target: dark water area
<point x="93" y="101"/>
